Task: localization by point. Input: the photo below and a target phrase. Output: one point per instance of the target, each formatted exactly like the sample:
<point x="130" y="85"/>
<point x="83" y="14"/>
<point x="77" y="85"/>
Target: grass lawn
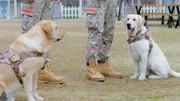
<point x="68" y="60"/>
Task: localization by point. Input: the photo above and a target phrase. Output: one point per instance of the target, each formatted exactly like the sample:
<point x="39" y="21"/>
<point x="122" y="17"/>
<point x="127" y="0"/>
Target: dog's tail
<point x="175" y="74"/>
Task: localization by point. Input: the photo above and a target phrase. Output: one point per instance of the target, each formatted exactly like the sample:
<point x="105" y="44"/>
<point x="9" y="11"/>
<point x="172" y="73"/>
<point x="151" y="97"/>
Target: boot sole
<point x="96" y="79"/>
<point x="49" y="82"/>
<point x="106" y="75"/>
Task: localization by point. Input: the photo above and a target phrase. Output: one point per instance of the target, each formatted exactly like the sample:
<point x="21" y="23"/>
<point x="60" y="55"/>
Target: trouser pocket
<point x="92" y="21"/>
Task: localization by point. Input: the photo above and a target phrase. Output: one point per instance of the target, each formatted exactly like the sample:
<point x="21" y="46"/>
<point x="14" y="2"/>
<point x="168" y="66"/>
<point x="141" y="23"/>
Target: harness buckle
<point x="15" y="58"/>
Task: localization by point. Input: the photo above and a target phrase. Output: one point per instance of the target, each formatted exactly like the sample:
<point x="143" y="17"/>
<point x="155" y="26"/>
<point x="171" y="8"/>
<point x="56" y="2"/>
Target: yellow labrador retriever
<point x="25" y="57"/>
<point x="148" y="58"/>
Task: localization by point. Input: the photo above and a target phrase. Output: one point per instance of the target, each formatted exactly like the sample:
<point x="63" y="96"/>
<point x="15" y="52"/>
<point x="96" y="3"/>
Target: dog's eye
<point x="128" y="19"/>
<point x="134" y="19"/>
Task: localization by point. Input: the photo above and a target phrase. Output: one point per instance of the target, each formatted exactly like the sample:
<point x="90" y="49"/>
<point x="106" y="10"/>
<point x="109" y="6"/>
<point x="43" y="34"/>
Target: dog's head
<point x="134" y="22"/>
<point x="51" y="30"/>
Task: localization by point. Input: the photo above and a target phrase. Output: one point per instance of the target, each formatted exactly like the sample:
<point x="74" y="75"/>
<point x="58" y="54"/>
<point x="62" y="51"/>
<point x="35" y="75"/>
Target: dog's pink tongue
<point x="129" y="30"/>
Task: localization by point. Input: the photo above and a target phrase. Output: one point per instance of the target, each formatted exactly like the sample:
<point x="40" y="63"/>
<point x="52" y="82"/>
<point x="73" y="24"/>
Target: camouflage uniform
<point x="100" y="28"/>
<point x="42" y="9"/>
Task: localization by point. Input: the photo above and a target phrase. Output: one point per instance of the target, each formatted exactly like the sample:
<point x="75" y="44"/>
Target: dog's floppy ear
<point x="47" y="29"/>
<point x="141" y="21"/>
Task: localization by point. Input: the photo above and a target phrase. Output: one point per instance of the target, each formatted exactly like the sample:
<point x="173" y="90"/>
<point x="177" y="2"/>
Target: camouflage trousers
<point x="41" y="9"/>
<point x="101" y="16"/>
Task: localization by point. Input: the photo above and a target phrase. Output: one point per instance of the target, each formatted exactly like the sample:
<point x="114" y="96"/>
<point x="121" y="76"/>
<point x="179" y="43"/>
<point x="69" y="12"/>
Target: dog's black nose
<point x="129" y="26"/>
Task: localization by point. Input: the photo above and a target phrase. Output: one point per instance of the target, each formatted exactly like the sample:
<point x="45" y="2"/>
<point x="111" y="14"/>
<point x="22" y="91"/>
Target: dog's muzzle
<point x="130" y="30"/>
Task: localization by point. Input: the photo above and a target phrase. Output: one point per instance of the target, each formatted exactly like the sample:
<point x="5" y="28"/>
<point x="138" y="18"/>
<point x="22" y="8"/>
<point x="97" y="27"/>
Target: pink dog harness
<point x="138" y="37"/>
<point x="13" y="58"/>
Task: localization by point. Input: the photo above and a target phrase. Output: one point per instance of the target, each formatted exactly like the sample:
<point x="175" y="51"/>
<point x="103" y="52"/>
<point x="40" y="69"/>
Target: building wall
<point x="83" y="7"/>
<point x="8" y="8"/>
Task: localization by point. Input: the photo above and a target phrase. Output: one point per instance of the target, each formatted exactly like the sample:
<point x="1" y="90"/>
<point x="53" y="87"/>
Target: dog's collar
<point x="139" y="31"/>
<point x="139" y="36"/>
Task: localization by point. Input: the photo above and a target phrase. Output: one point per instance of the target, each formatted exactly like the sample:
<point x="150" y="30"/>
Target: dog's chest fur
<point x="139" y="47"/>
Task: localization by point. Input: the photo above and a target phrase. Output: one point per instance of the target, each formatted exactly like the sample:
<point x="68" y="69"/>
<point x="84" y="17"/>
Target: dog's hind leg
<point x="9" y="89"/>
<point x="3" y="96"/>
<point x="160" y="70"/>
<point x="36" y="96"/>
<point x="156" y="77"/>
<point x="10" y="97"/>
<point x="6" y="97"/>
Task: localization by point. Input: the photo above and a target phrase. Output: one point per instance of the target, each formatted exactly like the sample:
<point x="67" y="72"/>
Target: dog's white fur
<point x="39" y="38"/>
<point x="143" y="61"/>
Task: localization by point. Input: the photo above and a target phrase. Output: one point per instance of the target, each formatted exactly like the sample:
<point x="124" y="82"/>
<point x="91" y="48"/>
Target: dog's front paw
<point x="9" y="99"/>
<point x="134" y="77"/>
<point x="31" y="99"/>
<point x="39" y="98"/>
<point x="142" y="78"/>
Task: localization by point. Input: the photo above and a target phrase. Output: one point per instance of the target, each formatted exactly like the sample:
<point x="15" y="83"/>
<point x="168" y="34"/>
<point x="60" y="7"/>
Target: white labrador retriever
<point x="148" y="58"/>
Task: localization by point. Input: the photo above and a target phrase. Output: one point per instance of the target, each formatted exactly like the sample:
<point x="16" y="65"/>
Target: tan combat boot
<point x="106" y="70"/>
<point x="92" y="72"/>
<point x="47" y="77"/>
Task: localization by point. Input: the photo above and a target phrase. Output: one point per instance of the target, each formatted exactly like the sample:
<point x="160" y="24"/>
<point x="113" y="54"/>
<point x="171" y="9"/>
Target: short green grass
<point x="68" y="60"/>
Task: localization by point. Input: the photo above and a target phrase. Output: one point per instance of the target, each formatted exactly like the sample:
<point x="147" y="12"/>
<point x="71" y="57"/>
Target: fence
<point x="153" y="9"/>
<point x="70" y="12"/>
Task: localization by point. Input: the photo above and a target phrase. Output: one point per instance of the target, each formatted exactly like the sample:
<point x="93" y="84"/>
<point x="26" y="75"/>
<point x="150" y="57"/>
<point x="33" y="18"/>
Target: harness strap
<point x="150" y="46"/>
<point x="139" y="36"/>
<point x="13" y="58"/>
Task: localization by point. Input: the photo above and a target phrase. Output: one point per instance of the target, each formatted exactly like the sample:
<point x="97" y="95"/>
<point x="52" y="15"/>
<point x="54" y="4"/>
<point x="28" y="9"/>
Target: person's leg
<point x="38" y="7"/>
<point x="31" y="14"/>
<point x="95" y="23"/>
<point x="27" y="16"/>
<point x="48" y="10"/>
<point x="46" y="74"/>
<point x="107" y="39"/>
